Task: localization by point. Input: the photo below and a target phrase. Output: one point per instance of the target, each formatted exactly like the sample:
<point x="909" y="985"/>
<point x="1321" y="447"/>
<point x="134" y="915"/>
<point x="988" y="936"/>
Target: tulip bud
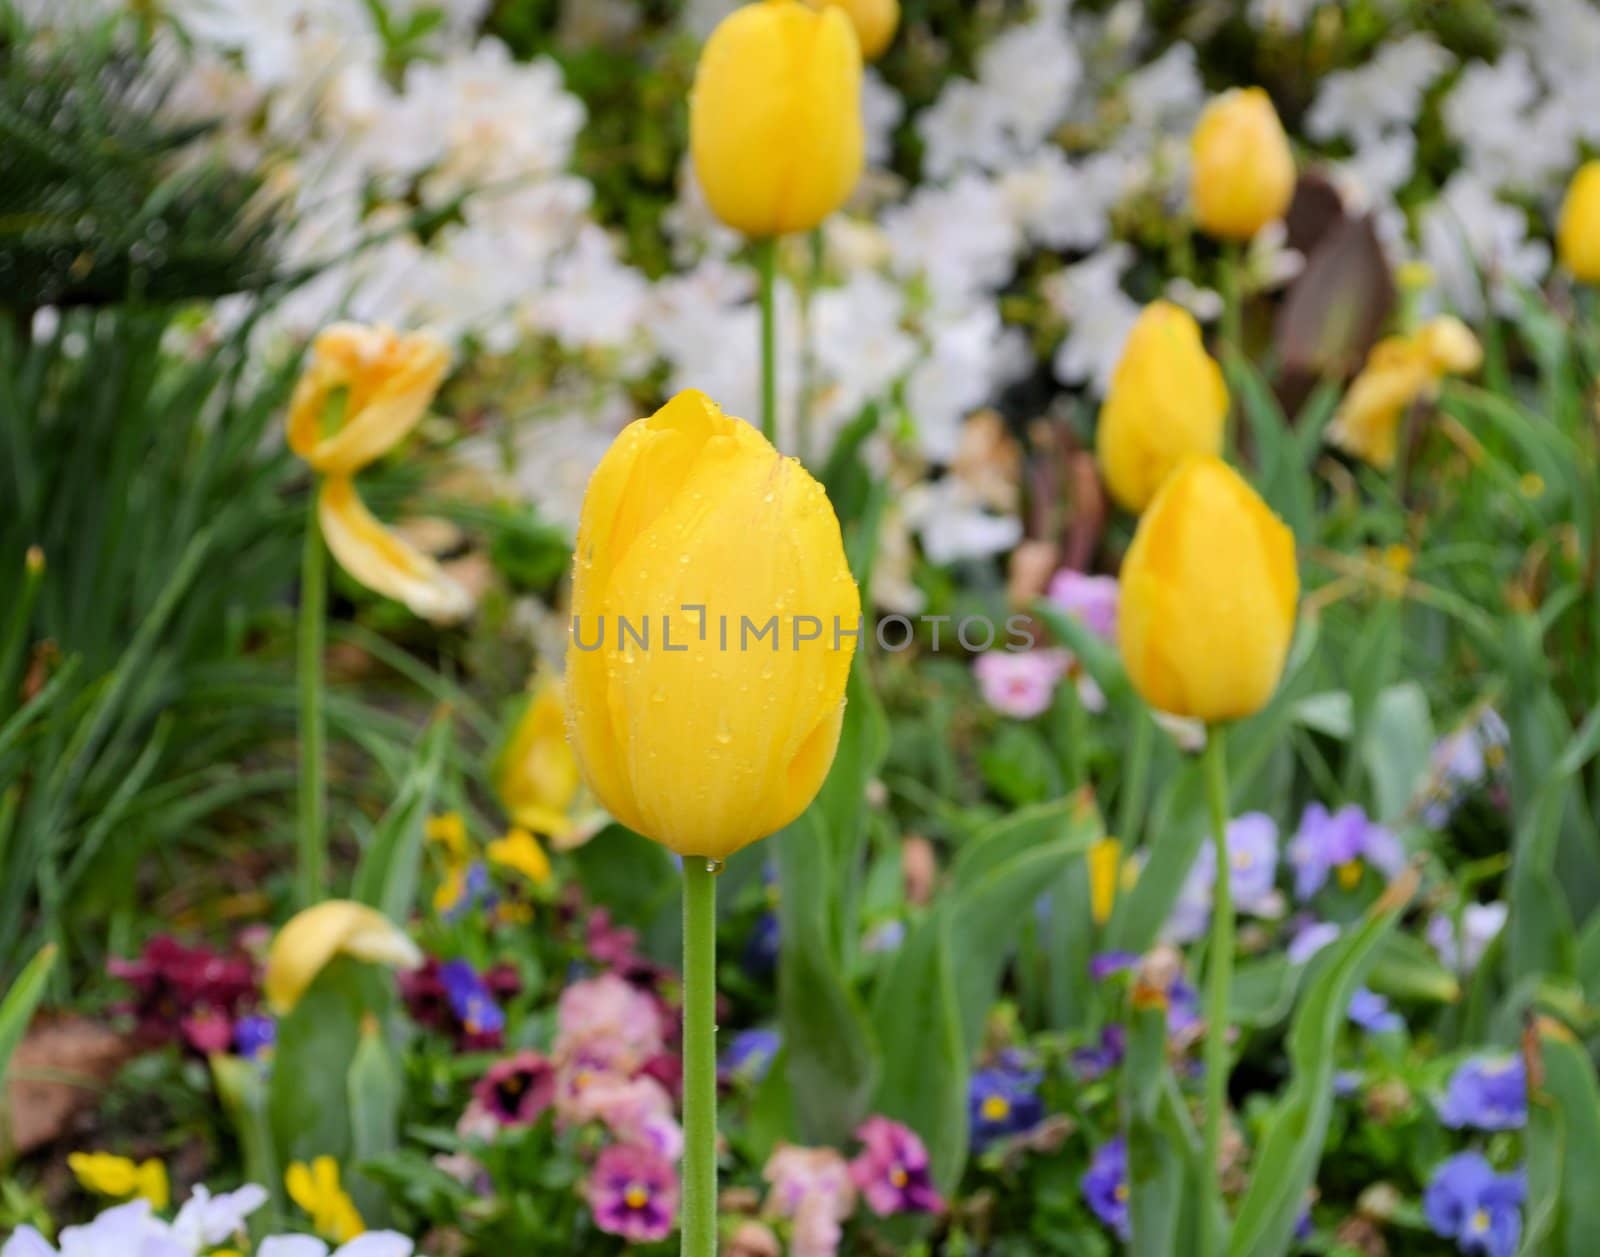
<point x="713" y="624"/>
<point x="1208" y="596"/>
<point x="775" y="117"/>
<point x="1242" y="173"/>
<point x="875" y="22"/>
<point x="1578" y="232"/>
<point x="1167" y="400"/>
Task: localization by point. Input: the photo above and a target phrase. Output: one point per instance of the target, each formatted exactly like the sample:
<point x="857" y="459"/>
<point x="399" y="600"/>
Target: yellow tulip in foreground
<point x="1242" y="172"/>
<point x="1167" y="400"/>
<point x="775" y="117"/>
<point x="1578" y="232"/>
<point x="362" y="391"/>
<point x="875" y="22"/>
<point x="717" y="726"/>
<point x="336" y="927"/>
<point x="1208" y="596"/>
<point x="1399" y="371"/>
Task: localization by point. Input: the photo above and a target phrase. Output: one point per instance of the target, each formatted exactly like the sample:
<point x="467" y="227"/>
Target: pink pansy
<point x="803" y="1177"/>
<point x="635" y="1110"/>
<point x="1020" y="684"/>
<point x="633" y="1192"/>
<point x="1091" y="599"/>
<point x="892" y="1169"/>
<point x="604" y="1023"/>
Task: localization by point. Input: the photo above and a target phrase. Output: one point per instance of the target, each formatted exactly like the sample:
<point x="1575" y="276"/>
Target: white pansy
<point x="594" y="300"/>
<point x="881" y="112"/>
<point x="1510" y="137"/>
<point x="1099" y="315"/>
<point x="1055" y="202"/>
<point x="1386" y="92"/>
<point x="958" y="237"/>
<point x="206" y="1220"/>
<point x="958" y="374"/>
<point x="861" y="347"/>
<point x="964" y="128"/>
<point x="1031" y="71"/>
<point x="1470" y="237"/>
<point x="953" y="525"/>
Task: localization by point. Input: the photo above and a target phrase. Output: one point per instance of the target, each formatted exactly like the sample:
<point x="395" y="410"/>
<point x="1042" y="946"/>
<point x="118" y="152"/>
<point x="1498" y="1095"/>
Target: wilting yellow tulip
<point x="303" y="947"/>
<point x="775" y="117"/>
<point x="1400" y="371"/>
<point x="121" y="1178"/>
<point x="1578" y="231"/>
<point x="536" y="772"/>
<point x="1208" y="597"/>
<point x="875" y="22"/>
<point x="1242" y="172"/>
<point x="362" y="391"/>
<point x="1167" y="400"/>
<point x="713" y="624"/>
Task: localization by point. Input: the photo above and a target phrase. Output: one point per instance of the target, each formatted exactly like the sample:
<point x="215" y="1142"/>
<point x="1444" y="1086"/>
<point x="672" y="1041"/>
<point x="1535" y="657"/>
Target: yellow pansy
<point x="317" y="1190"/>
<point x="448" y="831"/>
<point x="121" y="1178"/>
<point x="520" y="852"/>
<point x="363" y="389"/>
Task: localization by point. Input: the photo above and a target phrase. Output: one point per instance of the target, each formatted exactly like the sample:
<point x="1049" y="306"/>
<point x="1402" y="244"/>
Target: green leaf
<point x="1290" y="1150"/>
<point x="391" y="867"/>
<point x="21" y="1002"/>
<point x="377" y="1093"/>
<point x="1396" y="746"/>
<point x="243" y="1089"/>
<point x="1568" y="1096"/>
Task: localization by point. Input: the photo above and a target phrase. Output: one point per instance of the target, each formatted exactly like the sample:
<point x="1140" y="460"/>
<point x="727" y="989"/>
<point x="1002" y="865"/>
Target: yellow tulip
<point x="1167" y="400"/>
<point x="120" y="1178"/>
<point x="316" y="1189"/>
<point x="303" y="947"/>
<point x="719" y="727"/>
<point x="1578" y="230"/>
<point x="875" y="22"/>
<point x="363" y="390"/>
<point x="1242" y="172"/>
<point x="1400" y="371"/>
<point x="536" y="773"/>
<point x="775" y="117"/>
<point x="1208" y="597"/>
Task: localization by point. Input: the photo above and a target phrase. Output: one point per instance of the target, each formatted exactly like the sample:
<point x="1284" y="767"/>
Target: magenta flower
<point x="1020" y="684"/>
<point x="605" y="1023"/>
<point x="517" y="1090"/>
<point x="892" y="1169"/>
<point x="191" y="995"/>
<point x="633" y="1192"/>
<point x="1091" y="599"/>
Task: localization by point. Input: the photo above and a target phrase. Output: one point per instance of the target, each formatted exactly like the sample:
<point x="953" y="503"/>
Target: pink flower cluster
<point x="817" y="1189"/>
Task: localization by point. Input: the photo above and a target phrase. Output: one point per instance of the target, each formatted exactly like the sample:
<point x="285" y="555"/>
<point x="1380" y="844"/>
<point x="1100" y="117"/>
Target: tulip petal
<point x="386" y="381"/>
<point x="303" y="947"/>
<point x="384" y="562"/>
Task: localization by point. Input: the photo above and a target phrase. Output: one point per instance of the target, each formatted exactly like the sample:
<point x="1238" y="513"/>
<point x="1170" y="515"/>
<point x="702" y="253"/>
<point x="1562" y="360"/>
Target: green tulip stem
<point x="700" y="1056"/>
<point x="806" y="398"/>
<point x="1219" y="970"/>
<point x="1232" y="345"/>
<point x="767" y="265"/>
<point x="313" y="800"/>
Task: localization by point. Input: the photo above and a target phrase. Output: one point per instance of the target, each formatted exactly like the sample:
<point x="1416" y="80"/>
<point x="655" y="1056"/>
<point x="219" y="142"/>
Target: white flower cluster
<point x="204" y="1223"/>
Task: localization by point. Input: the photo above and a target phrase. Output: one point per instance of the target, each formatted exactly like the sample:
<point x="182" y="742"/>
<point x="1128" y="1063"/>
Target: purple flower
<point x="750" y="1055"/>
<point x="1253" y="874"/>
<point x="470" y="999"/>
<point x="633" y="1192"/>
<point x="1183" y="1007"/>
<point x="1480" y="1210"/>
<point x="1103" y="965"/>
<point x="891" y="1170"/>
<point x="1309" y="939"/>
<point x="465" y="888"/>
<point x="1091" y="599"/>
<point x="1372" y="1013"/>
<point x="516" y="1091"/>
<point x="1480" y="923"/>
<point x="1003" y="1100"/>
<point x="1094" y="1062"/>
<point x="255" y="1036"/>
<point x="1105" y="1186"/>
<point x="1340" y="842"/>
<point x="1487" y="1094"/>
<point x="761" y="947"/>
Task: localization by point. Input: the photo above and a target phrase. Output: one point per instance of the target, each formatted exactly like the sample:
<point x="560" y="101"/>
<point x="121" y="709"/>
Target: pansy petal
<point x="383" y="561"/>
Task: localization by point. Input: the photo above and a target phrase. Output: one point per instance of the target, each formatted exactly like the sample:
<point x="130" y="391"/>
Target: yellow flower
<point x="1241" y="173"/>
<point x="1167" y="400"/>
<point x="875" y="22"/>
<point x="718" y="729"/>
<point x="121" y="1178"/>
<point x="1578" y="230"/>
<point x="449" y="832"/>
<point x="520" y="852"/>
<point x="536" y="773"/>
<point x="303" y="947"/>
<point x="1209" y="588"/>
<point x="1105" y="869"/>
<point x="316" y="1189"/>
<point x="362" y="391"/>
<point x="775" y="117"/>
<point x="1400" y="371"/>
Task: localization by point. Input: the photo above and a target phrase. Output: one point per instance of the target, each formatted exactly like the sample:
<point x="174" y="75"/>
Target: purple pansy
<point x="1106" y="1055"/>
<point x="255" y="1036"/>
<point x="1003" y="1100"/>
<point x="1372" y="1013"/>
<point x="1340" y="842"/>
<point x="1104" y="964"/>
<point x="1480" y="1210"/>
<point x="633" y="1192"/>
<point x="470" y="999"/>
<point x="1105" y="1186"/>
<point x="891" y="1171"/>
<point x="516" y="1091"/>
<point x="1487" y="1093"/>
<point x="1253" y="873"/>
<point x="749" y="1055"/>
